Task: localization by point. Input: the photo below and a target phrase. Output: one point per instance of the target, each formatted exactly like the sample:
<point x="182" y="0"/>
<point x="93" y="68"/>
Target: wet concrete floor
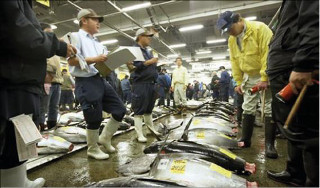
<point x="77" y="169"/>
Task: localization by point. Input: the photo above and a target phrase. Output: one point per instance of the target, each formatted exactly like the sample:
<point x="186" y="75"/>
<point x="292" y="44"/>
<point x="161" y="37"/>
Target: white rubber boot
<point x="93" y="149"/>
<point x="17" y="177"/>
<point x="107" y="133"/>
<point x="138" y="128"/>
<point x="149" y="122"/>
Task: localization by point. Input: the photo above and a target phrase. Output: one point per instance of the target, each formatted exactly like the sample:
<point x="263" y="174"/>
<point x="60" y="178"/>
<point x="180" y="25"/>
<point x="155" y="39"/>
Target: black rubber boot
<point x="294" y="174"/>
<point x="270" y="136"/>
<point x="51" y="124"/>
<point x="247" y="129"/>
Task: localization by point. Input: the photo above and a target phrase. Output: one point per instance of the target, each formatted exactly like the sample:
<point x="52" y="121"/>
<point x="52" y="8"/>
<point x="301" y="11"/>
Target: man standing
<point x="22" y="73"/>
<point x="164" y="87"/>
<point x="224" y="84"/>
<point x="248" y="44"/>
<point x="143" y="85"/>
<point x="126" y="90"/>
<point x="94" y="93"/>
<point x="215" y="85"/>
<point x="66" y="91"/>
<point x="179" y="84"/>
<point x="294" y="59"/>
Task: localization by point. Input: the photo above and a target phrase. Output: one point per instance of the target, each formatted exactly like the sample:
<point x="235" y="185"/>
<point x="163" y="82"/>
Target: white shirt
<point x="87" y="46"/>
<point x="180" y="75"/>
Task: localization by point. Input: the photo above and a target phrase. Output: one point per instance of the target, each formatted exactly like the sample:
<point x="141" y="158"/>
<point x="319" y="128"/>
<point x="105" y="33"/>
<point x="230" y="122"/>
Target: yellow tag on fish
<point x="178" y="166"/>
<point x="223" y="135"/>
<point x="57" y="138"/>
<point x="64" y="128"/>
<point x="196" y="122"/>
<point x="229" y="154"/>
<point x="221" y="170"/>
<point x="200" y="135"/>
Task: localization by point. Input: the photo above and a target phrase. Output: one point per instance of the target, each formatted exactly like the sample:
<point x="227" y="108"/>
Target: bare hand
<point x="100" y="58"/>
<point x="238" y="90"/>
<point x="262" y="85"/>
<point x="299" y="79"/>
<point x="71" y="50"/>
<point x="171" y="89"/>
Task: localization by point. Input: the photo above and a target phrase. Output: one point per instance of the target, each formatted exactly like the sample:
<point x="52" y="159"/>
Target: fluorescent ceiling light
<point x="112" y="41"/>
<point x="76" y="21"/>
<point x="53" y="26"/>
<point x="189" y="28"/>
<point x="216" y="41"/>
<point x="228" y="50"/>
<point x="135" y="7"/>
<point x="172" y="55"/>
<point x="203" y="52"/>
<point x="251" y="18"/>
<point x="177" y="45"/>
<point x="219" y="58"/>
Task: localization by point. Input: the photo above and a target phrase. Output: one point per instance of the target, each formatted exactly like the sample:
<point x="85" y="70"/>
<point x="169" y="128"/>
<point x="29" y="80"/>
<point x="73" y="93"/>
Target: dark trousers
<point x="215" y="94"/>
<point x="96" y="94"/>
<point x="13" y="103"/>
<point x="143" y="98"/>
<point x="239" y="107"/>
<point x="303" y="159"/>
<point x="224" y="92"/>
<point x="66" y="97"/>
<point x="126" y="96"/>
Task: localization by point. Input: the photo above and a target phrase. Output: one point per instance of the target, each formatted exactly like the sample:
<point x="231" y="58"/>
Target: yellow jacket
<point x="252" y="60"/>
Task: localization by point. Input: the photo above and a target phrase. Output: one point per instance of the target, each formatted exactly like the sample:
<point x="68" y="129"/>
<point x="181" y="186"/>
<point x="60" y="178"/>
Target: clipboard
<point x="115" y="60"/>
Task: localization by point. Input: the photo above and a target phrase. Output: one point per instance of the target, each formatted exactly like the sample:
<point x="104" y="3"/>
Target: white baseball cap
<point x="144" y="32"/>
<point x="88" y="13"/>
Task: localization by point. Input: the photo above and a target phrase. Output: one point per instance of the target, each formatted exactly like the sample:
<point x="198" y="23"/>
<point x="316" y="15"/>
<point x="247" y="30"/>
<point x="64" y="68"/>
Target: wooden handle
<point x="295" y="107"/>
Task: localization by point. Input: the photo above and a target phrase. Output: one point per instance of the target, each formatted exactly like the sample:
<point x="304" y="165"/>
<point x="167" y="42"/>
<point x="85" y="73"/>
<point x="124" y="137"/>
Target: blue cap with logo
<point x="225" y="21"/>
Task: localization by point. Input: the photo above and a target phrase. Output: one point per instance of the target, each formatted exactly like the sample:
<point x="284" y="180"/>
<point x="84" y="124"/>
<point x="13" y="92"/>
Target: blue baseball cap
<point x="225" y="21"/>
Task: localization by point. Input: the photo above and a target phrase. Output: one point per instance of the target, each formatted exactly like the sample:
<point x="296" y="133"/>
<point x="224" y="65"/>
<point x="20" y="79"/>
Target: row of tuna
<point x="72" y="131"/>
<point x="195" y="155"/>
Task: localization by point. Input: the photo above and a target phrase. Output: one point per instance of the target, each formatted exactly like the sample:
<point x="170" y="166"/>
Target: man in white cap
<point x="144" y="78"/>
<point x="92" y="91"/>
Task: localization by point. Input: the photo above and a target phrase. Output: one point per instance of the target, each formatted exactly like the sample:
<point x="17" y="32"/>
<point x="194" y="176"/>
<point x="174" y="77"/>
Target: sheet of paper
<point x="25" y="152"/>
<point x="26" y="128"/>
<point x="136" y="51"/>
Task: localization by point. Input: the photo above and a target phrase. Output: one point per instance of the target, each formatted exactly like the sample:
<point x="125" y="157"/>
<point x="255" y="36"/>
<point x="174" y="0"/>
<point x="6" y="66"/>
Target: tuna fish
<point x="210" y="137"/>
<point x="71" y="134"/>
<point x="135" y="182"/>
<point x="214" y="154"/>
<point x="206" y="123"/>
<point x="53" y="144"/>
<point x="137" y="166"/>
<point x="195" y="172"/>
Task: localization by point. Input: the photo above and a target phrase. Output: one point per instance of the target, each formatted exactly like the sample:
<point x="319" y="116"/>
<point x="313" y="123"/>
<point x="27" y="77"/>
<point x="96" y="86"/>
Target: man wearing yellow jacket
<point x="248" y="44"/>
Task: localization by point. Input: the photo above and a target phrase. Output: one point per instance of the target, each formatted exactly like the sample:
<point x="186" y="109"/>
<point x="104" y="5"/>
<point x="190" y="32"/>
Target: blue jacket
<point x="125" y="85"/>
<point x="225" y="78"/>
<point x="144" y="73"/>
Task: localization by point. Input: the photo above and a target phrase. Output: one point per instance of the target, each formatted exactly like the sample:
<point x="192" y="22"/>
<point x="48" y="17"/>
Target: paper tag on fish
<point x="229" y="154"/>
<point x="178" y="166"/>
<point x="57" y="138"/>
<point x="223" y="135"/>
<point x="196" y="122"/>
<point x="221" y="170"/>
<point x="200" y="135"/>
<point x="65" y="128"/>
<point x="163" y="163"/>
